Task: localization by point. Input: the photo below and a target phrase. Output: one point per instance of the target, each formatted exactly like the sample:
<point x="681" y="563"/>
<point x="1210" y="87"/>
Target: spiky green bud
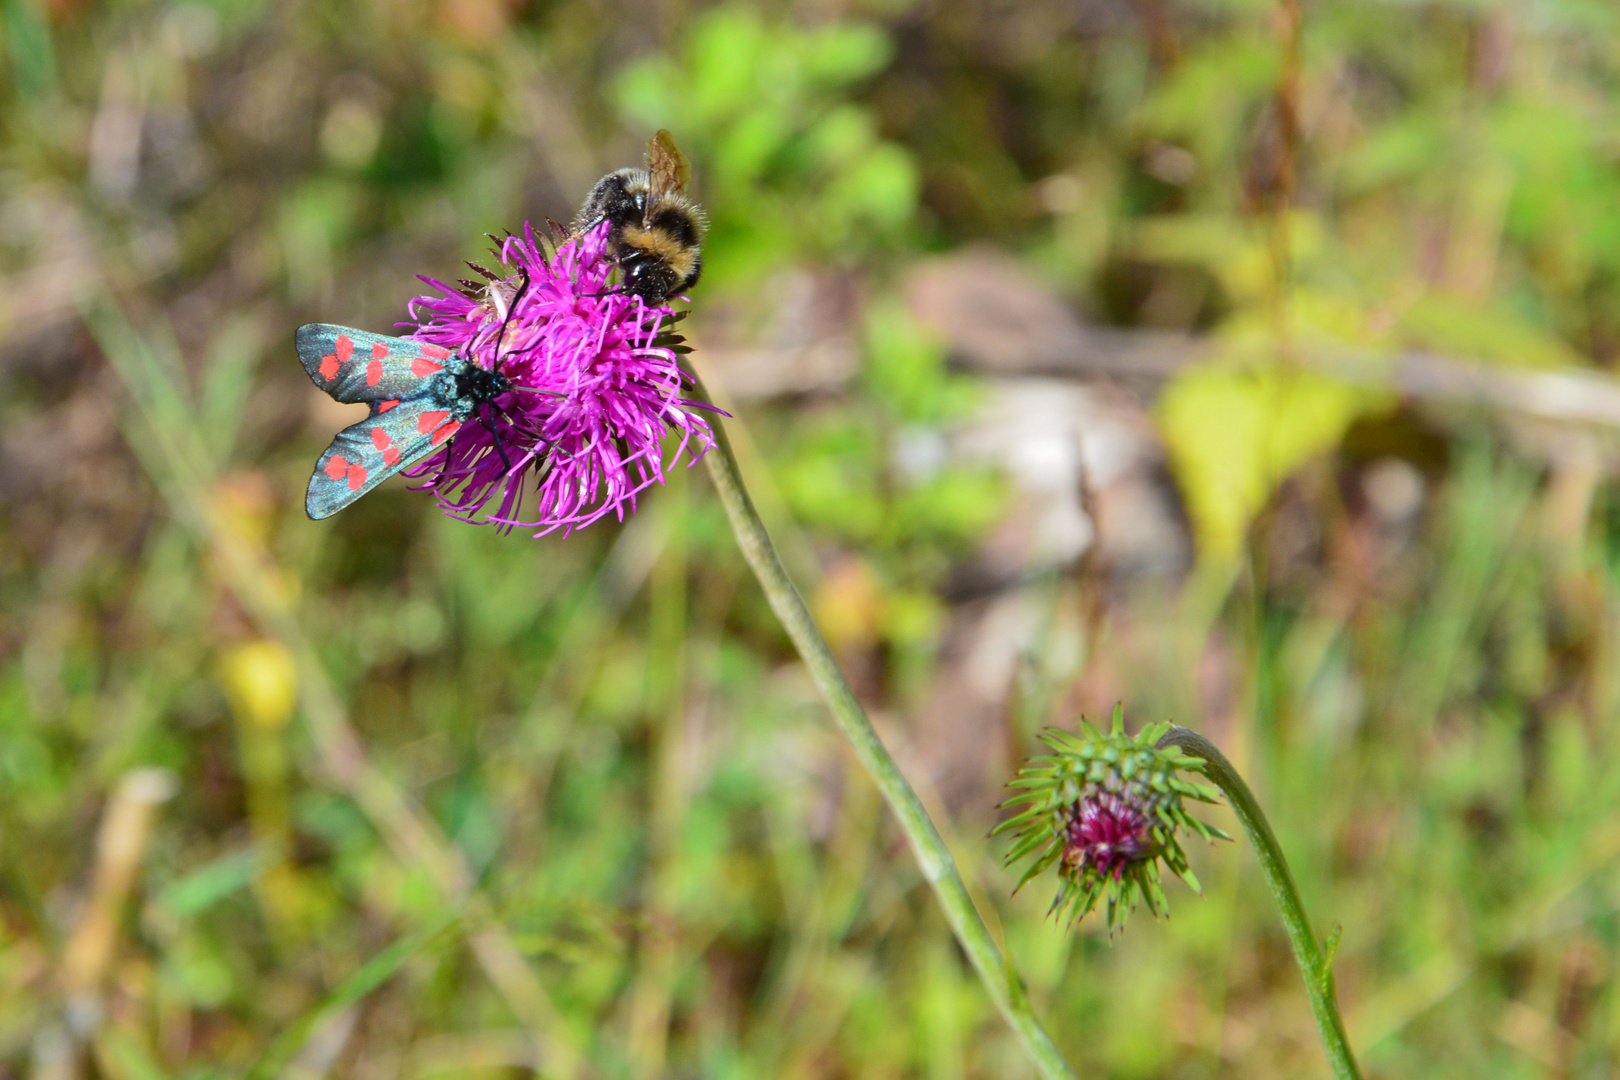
<point x="1107" y="810"/>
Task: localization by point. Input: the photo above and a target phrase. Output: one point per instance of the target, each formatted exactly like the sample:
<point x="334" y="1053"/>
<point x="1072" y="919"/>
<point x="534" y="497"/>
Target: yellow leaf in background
<point x="260" y="679"/>
<point x="1234" y="434"/>
<point x="1236" y="250"/>
<point x="1318" y="321"/>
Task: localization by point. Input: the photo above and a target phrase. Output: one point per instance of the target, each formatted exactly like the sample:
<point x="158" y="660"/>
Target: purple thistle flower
<point x="594" y="392"/>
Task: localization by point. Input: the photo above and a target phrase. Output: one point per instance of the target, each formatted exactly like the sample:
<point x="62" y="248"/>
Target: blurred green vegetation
<point x="437" y="802"/>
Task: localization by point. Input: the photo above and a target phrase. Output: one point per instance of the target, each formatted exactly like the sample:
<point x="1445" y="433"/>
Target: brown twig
<point x="126" y="826"/>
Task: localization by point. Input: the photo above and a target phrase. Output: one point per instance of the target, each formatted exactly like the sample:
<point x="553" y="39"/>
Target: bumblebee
<point x="657" y="232"/>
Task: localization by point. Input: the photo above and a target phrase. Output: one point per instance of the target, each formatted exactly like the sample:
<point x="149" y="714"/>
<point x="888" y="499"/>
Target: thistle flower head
<point x="1107" y="811"/>
<point x="596" y="389"/>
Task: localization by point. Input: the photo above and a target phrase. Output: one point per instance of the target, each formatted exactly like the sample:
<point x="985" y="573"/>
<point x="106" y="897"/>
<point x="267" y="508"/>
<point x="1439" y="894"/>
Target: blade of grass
<point x="28" y="41"/>
<point x="351" y="991"/>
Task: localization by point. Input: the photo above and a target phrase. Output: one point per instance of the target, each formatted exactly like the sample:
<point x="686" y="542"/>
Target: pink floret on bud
<point x="1106" y="834"/>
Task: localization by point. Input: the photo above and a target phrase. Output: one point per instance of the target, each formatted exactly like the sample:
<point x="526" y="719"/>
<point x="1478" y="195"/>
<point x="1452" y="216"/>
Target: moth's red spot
<point x="422" y="367"/>
<point x="445" y="432"/>
<point x="357" y="476"/>
<point x="391" y="456"/>
<point x="345" y="348"/>
<point x="435" y="352"/>
<point x="379" y="438"/>
<point x="374" y="373"/>
<point x="329" y="367"/>
<point x="430" y="420"/>
<point x="378" y="350"/>
<point x="384" y="406"/>
<point x="337" y="467"/>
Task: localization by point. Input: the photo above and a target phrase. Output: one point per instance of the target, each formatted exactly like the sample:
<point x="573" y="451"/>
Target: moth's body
<point x="657" y="232"/>
<point x="468" y="387"/>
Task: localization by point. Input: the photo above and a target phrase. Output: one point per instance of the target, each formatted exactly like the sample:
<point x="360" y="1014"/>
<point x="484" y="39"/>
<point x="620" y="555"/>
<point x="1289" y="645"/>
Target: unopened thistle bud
<point x="1106" y="810"/>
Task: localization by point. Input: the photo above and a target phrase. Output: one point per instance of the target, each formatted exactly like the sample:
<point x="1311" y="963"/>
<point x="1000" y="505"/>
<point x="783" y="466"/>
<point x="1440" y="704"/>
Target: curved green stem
<point x="927" y="845"/>
<point x="1317" y="968"/>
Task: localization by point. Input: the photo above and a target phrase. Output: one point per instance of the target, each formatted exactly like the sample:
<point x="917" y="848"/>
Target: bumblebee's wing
<point x="667" y="167"/>
<point x="363" y="455"/>
<point x="353" y="365"/>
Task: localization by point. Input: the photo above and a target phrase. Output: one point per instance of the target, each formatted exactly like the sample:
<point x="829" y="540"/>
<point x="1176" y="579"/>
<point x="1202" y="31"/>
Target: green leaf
<point x="208" y="885"/>
<point x="1330" y="947"/>
<point x="905" y="364"/>
<point x="845" y="53"/>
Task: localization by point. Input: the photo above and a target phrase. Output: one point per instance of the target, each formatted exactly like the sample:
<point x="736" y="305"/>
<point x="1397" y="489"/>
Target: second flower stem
<point x="1317" y="969"/>
<point x="935" y="859"/>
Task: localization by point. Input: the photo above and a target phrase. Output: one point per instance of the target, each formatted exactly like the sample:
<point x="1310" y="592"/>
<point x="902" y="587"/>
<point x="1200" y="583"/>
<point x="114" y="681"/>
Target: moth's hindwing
<point x="353" y="365"/>
<point x="365" y="454"/>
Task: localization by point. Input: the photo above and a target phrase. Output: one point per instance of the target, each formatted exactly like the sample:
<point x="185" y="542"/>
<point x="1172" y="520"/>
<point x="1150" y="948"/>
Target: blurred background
<point x="1246" y="361"/>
